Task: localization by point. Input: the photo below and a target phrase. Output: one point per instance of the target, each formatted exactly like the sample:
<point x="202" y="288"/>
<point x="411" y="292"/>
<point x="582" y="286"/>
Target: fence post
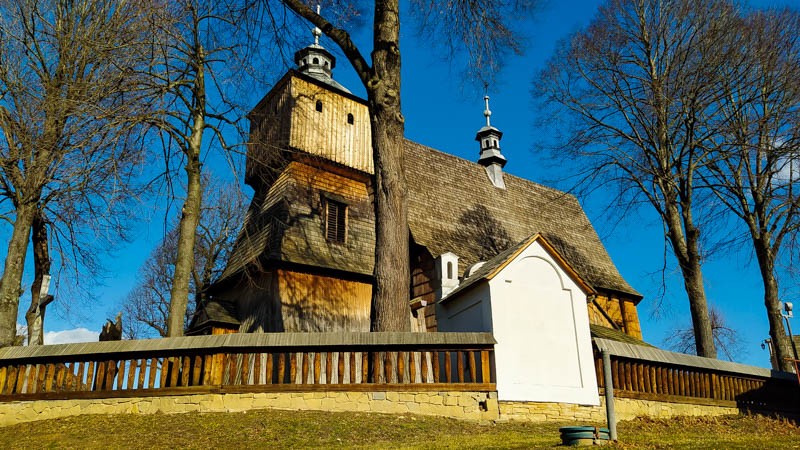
<point x="609" y="390"/>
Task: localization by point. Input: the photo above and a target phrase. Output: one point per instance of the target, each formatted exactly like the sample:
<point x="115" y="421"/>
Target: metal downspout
<point x="609" y="391"/>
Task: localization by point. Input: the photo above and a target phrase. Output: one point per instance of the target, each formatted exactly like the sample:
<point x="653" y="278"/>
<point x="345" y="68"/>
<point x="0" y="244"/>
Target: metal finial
<point x="316" y="31"/>
<point x="487" y="112"/>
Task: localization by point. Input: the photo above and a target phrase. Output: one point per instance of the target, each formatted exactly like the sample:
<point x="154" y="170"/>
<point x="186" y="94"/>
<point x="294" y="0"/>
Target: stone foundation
<point x="479" y="406"/>
<point x="625" y="408"/>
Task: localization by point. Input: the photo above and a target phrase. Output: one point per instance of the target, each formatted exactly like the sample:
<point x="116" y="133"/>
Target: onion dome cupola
<point x="490" y="156"/>
<point x="317" y="62"/>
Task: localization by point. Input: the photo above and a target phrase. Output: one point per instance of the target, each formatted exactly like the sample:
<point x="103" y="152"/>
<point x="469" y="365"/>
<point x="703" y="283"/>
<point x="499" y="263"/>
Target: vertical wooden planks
<point x="401" y="367"/>
<point x="3" y="377"/>
<point x="268" y="370"/>
<point x="387" y="366"/>
<point x="197" y="370"/>
<point x="364" y="367"/>
<point x="304" y="378"/>
<point x="244" y="371"/>
<point x="293" y="368"/>
<point x="41" y="371"/>
<point x="131" y="375"/>
<point x="340" y="371"/>
<point x="413" y="360"/>
<point x="448" y="369"/>
<point x="329" y="367"/>
<point x="316" y="357"/>
<point x="435" y="361"/>
<point x="460" y="366"/>
<point x="30" y="387"/>
<point x="282" y="368"/>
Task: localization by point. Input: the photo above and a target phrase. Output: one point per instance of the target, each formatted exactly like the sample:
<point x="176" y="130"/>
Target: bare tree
<point x="147" y="306"/>
<point x="638" y="86"/>
<point x="65" y="68"/>
<point x="193" y="39"/>
<point x="756" y="169"/>
<point x="726" y="338"/>
<point x="381" y="78"/>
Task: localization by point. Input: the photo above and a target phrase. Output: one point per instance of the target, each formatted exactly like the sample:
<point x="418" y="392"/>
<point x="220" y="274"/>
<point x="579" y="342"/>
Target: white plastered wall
<point x="538" y="316"/>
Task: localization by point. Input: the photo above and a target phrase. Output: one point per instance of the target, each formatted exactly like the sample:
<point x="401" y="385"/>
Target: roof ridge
<point x="473" y="163"/>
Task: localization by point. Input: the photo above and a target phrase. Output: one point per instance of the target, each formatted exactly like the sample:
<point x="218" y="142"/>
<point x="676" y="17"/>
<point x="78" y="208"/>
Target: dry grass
<point x="310" y="429"/>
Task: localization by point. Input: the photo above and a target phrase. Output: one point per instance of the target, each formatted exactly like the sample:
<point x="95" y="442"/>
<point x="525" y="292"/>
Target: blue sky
<point x="443" y="111"/>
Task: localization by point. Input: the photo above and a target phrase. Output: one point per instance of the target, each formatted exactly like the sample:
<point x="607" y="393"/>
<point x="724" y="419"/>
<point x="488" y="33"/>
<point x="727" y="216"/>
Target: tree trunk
<point x="781" y="345"/>
<point x="390" y="295"/>
<point x="41" y="264"/>
<point x="190" y="214"/>
<point x="687" y="251"/>
<point x="184" y="258"/>
<point x="11" y="283"/>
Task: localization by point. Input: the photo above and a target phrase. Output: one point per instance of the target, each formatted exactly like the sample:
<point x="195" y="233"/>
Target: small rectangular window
<point x="335" y="221"/>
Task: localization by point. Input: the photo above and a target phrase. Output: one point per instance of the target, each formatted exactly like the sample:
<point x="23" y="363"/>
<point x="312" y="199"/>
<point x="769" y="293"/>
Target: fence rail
<point x="660" y="381"/>
<point x="250" y="362"/>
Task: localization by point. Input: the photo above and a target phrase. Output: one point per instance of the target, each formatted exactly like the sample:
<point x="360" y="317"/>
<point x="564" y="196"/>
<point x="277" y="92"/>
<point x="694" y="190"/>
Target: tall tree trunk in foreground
<point x="190" y="213"/>
<point x="686" y="247"/>
<point x="41" y="265"/>
<point x="11" y="285"/>
<point x="390" y="310"/>
<point x="781" y="345"/>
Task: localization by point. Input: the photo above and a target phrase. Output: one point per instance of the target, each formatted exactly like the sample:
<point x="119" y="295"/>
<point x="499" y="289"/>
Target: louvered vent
<point x="336" y="222"/>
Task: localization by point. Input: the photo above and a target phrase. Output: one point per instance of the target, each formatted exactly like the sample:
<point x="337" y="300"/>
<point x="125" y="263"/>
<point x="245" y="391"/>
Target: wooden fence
<point x="662" y="381"/>
<point x="249" y="363"/>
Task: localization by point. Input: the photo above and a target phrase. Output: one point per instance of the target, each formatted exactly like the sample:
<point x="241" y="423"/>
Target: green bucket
<point x="584" y="435"/>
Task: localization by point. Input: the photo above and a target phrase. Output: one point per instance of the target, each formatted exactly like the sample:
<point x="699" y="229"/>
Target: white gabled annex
<point x="535" y="305"/>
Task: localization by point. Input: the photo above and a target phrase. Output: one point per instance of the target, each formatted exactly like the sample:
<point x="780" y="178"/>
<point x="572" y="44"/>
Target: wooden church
<point x="303" y="259"/>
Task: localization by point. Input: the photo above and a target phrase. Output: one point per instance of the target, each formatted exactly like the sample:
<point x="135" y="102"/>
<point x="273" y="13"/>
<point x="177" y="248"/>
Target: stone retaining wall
<point x="625" y="409"/>
<point x="481" y="406"/>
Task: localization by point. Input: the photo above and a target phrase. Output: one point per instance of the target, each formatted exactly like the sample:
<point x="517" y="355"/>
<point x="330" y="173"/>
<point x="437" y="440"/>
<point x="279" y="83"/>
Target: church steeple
<point x="317" y="62"/>
<point x="490" y="156"/>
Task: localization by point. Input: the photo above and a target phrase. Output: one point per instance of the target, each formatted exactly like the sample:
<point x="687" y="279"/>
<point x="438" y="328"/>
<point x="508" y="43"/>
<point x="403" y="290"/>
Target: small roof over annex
<point x="489" y="269"/>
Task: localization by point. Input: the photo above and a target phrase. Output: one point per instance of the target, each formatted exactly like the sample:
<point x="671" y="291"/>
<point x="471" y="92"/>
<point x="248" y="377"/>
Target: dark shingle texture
<point x="599" y="331"/>
<point x="215" y="311"/>
<point x="453" y="206"/>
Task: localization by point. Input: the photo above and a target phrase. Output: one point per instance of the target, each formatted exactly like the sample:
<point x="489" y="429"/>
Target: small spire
<point x="486" y="112"/>
<point x="490" y="156"/>
<point x="317" y="62"/>
<point x="316" y="31"/>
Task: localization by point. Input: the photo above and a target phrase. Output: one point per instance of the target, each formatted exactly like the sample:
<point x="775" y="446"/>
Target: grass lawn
<point x="311" y="429"/>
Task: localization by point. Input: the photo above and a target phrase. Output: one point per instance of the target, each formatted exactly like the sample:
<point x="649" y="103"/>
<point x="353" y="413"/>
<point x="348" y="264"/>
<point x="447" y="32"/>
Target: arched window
<point x="325" y="64"/>
<point x="449" y="270"/>
<point x="350" y="118"/>
<point x="319" y="105"/>
<point x="316" y="61"/>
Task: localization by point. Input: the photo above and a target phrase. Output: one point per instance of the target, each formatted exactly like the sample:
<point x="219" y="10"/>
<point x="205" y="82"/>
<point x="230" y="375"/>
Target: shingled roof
<point x="452" y="206"/>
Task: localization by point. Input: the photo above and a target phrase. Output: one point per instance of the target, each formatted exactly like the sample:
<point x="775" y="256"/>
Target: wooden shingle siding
<point x="327" y="133"/>
<point x="269" y="125"/>
<point x="322" y="303"/>
<point x="304" y="240"/>
<point x="615" y="311"/>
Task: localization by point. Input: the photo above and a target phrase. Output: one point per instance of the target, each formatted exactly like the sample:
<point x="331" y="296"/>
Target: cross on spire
<point x="316" y="31"/>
